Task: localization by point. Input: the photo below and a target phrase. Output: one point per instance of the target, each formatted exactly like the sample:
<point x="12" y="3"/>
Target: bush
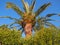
<point x="44" y="36"/>
<point x="9" y="37"/>
<point x="47" y="36"/>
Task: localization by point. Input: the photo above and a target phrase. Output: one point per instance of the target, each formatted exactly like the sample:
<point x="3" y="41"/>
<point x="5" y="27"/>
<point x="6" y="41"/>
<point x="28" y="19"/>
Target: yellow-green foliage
<point x="47" y="36"/>
<point x="9" y="37"/>
<point x="44" y="36"/>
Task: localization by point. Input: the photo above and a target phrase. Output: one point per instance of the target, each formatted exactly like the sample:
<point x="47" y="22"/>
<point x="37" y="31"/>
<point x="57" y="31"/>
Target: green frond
<point x="44" y="20"/>
<point x="41" y="22"/>
<point x="49" y="20"/>
<point x="49" y="15"/>
<point x="8" y="17"/>
<point x="50" y="24"/>
<point x="9" y="5"/>
<point x="13" y="23"/>
<point x="41" y="9"/>
<point x="32" y="6"/>
<point x="14" y="7"/>
<point x="26" y="6"/>
<point x="19" y="22"/>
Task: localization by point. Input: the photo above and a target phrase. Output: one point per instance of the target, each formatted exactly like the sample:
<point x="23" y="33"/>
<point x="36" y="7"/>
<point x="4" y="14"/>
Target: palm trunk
<point x="28" y="30"/>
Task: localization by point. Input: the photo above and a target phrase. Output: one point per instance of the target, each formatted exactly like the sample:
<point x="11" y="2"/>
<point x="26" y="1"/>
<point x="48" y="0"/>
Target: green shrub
<point x="9" y="37"/>
<point x="44" y="36"/>
<point x="47" y="36"/>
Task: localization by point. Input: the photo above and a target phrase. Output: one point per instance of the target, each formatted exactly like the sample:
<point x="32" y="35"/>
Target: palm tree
<point x="29" y="18"/>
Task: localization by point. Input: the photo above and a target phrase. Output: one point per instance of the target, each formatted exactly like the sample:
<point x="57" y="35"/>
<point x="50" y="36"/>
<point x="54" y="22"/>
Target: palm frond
<point x="26" y="6"/>
<point x="32" y="6"/>
<point x="35" y="28"/>
<point x="12" y="23"/>
<point x="17" y="22"/>
<point x="14" y="7"/>
<point x="8" y="17"/>
<point x="49" y="15"/>
<point x="50" y="24"/>
<point x="41" y="9"/>
<point x="51" y="20"/>
<point x="44" y="19"/>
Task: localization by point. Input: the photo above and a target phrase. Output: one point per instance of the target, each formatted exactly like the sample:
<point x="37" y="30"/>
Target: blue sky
<point x="54" y="8"/>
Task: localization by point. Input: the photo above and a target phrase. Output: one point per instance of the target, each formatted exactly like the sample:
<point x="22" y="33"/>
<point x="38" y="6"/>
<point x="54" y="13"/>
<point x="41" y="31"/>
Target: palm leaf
<point x="44" y="19"/>
<point x="8" y="17"/>
<point x="49" y="15"/>
<point x="32" y="6"/>
<point x="49" y="20"/>
<point x="15" y="26"/>
<point x="13" y="23"/>
<point x="26" y="6"/>
<point x="49" y="24"/>
<point x="14" y="7"/>
<point x="41" y="9"/>
<point x="19" y="22"/>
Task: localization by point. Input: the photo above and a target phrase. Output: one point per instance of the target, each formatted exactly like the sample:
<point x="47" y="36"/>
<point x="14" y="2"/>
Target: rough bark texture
<point x="28" y="30"/>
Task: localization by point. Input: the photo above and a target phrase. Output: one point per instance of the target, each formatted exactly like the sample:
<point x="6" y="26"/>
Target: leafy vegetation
<point x="45" y="36"/>
<point x="48" y="36"/>
<point x="8" y="36"/>
<point x="30" y="21"/>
